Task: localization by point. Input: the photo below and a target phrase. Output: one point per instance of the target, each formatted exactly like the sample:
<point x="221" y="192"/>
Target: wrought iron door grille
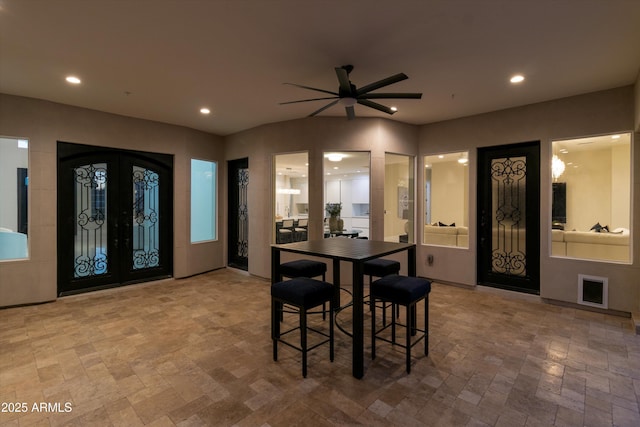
<point x="90" y="244"/>
<point x="243" y="213"/>
<point x="146" y="227"/>
<point x="508" y="189"/>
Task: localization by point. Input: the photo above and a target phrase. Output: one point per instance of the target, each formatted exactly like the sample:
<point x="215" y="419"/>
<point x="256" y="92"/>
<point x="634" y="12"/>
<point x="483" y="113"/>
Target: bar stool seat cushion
<point x="381" y="267"/>
<point x="400" y="289"/>
<point x="303" y="268"/>
<point x="303" y="292"/>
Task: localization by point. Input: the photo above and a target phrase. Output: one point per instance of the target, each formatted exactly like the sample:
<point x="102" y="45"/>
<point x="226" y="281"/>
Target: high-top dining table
<point x="355" y="251"/>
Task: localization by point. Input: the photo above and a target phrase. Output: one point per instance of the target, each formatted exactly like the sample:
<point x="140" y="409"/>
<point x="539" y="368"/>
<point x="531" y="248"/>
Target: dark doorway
<point x="23" y="200"/>
<point x="238" y="232"/>
<point x="509" y="217"/>
<point x="115" y="217"/>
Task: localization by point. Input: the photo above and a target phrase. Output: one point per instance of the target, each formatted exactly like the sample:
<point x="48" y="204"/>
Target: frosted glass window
<point x="203" y="201"/>
<point x="14" y="181"/>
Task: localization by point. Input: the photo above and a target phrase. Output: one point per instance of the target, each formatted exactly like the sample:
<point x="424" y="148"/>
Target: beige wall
<point x="44" y="123"/>
<point x="592" y="114"/>
<point x="637" y="104"/>
<point x="317" y="135"/>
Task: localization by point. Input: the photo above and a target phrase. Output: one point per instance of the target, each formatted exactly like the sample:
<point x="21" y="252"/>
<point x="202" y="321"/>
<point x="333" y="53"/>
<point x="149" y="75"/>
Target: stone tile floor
<point x="197" y="351"/>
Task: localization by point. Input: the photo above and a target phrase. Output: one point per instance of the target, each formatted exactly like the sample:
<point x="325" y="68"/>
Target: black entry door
<point x="509" y="217"/>
<point x="114" y="217"/>
<point x="238" y="231"/>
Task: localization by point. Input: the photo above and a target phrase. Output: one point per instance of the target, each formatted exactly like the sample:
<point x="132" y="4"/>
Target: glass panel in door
<point x="508" y="196"/>
<point x="146" y="220"/>
<point x="90" y="208"/>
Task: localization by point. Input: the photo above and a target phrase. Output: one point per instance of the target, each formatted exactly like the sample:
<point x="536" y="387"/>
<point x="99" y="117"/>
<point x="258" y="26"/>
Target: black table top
<point x="345" y="249"/>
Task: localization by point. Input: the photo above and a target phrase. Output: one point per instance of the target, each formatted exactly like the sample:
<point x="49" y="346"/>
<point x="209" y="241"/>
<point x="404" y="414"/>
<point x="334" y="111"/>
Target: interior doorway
<point x="509" y="217"/>
<point x="115" y="217"/>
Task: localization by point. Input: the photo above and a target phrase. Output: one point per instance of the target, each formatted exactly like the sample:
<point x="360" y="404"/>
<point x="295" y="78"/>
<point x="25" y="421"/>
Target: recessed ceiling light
<point x="394" y="108"/>
<point x="73" y="80"/>
<point x="334" y="157"/>
<point x="615" y="137"/>
<point x="518" y="78"/>
<point x="441" y="156"/>
<point x="205" y="110"/>
<point x="335" y="168"/>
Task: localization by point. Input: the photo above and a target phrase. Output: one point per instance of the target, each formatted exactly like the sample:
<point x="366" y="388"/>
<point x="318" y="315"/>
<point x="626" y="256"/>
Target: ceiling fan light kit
<point x="348" y="95"/>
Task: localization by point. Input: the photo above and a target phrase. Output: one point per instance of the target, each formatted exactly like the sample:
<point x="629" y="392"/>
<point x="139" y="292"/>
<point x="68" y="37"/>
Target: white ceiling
<point x="164" y="59"/>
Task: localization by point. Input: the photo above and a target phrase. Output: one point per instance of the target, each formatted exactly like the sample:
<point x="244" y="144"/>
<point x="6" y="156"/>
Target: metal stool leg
<point x="303" y="340"/>
<point x="410" y="309"/>
<point x="372" y="306"/>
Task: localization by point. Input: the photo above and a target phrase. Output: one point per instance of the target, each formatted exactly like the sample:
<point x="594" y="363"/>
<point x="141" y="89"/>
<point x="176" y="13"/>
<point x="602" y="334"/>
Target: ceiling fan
<point x="348" y="94"/>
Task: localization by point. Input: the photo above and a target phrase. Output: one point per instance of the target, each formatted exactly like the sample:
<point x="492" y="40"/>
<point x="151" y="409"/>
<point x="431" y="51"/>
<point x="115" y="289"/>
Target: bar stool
<point x="304" y="294"/>
<point x="405" y="291"/>
<point x="305" y="268"/>
<point x="380" y="267"/>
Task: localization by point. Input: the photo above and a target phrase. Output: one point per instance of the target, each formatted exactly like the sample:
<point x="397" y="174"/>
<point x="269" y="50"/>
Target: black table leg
<point x="411" y="260"/>
<point x="275" y="265"/>
<point x="336" y="283"/>
<point x="411" y="270"/>
<point x="358" y="321"/>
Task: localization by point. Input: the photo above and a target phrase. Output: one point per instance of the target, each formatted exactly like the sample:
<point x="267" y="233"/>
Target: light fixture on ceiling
<point x="334" y="157"/>
<point x="557" y="167"/>
<point x="463" y="159"/>
<point x="518" y="78"/>
<point x="205" y="110"/>
<point x="288" y="191"/>
<point x="348" y="101"/>
<point x="615" y="136"/>
<point x="73" y="80"/>
<point x="394" y="109"/>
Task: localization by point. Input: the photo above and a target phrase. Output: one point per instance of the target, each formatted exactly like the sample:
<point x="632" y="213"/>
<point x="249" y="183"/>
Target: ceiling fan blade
<point x="331" y="104"/>
<point x="312" y="88"/>
<point x="390" y="96"/>
<point x="376" y="106"/>
<point x="351" y="112"/>
<point x="307" y="100"/>
<point x="343" y="79"/>
<point x="382" y="83"/>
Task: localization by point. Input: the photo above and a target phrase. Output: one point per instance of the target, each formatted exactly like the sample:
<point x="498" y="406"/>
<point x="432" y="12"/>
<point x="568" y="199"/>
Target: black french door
<point x="509" y="217"/>
<point x="238" y="214"/>
<point x="115" y="217"/>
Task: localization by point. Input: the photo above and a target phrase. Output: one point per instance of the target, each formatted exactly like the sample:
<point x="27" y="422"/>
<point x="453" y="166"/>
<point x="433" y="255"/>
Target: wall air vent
<point x="593" y="291"/>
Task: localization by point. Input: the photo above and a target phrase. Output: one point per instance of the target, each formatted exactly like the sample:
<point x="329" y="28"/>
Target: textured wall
<point x="603" y="112"/>
<point x="44" y="123"/>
